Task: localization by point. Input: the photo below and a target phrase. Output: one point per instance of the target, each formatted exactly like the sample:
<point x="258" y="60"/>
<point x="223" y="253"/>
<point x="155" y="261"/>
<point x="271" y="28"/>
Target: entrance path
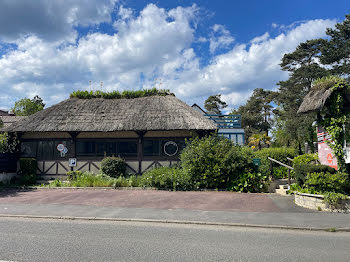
<point x="208" y="207"/>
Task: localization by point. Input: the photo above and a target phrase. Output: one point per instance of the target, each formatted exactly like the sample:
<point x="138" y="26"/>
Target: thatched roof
<point x="319" y="93"/>
<point x="9" y="120"/>
<point x="314" y="100"/>
<point x="98" y="114"/>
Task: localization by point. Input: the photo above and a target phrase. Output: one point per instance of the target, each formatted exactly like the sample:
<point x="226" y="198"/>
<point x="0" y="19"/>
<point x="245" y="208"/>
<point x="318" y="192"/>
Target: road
<point x="24" y="239"/>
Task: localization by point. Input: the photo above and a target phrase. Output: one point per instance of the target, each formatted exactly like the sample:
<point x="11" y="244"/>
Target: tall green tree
<point x="256" y="113"/>
<point x="303" y="67"/>
<point x="26" y="106"/>
<point x="336" y="49"/>
<point x="214" y="104"/>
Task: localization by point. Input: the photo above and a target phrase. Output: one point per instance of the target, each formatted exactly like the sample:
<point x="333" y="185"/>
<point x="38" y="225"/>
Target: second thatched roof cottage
<point x="145" y="131"/>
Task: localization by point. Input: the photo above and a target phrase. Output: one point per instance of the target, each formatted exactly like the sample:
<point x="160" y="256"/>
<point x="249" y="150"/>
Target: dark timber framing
<point x="89" y="161"/>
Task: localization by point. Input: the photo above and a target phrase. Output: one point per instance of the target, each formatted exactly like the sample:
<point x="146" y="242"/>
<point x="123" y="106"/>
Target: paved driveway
<point x="209" y="201"/>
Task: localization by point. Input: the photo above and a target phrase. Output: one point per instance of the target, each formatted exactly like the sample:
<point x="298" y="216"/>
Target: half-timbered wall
<point x="138" y="163"/>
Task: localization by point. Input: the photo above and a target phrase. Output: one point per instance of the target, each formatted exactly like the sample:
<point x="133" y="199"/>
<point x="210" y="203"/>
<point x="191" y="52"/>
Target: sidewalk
<point x="267" y="210"/>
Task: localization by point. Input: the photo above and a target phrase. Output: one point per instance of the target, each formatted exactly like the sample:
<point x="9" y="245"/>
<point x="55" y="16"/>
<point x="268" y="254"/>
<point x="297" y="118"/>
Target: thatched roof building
<point x="10" y="119"/>
<point x="314" y="100"/>
<point x="318" y="95"/>
<point x="107" y="115"/>
<point x="77" y="133"/>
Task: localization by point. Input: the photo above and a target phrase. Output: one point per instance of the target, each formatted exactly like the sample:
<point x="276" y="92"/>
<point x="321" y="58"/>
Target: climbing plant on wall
<point x="334" y="118"/>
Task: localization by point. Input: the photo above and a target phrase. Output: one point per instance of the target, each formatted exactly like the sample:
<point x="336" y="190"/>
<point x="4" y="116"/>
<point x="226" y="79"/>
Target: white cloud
<point x="50" y="20"/>
<point x="154" y="44"/>
<point x="246" y="67"/>
<point x="220" y="38"/>
<point x="260" y="39"/>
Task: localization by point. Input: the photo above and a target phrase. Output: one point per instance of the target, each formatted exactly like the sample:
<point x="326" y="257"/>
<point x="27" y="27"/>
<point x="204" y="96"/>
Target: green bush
<point x="88" y="179"/>
<point x="334" y="199"/>
<point x="250" y="182"/>
<point x="28" y="167"/>
<point x="327" y="182"/>
<point x="302" y="170"/>
<point x="214" y="163"/>
<point x="280" y="172"/>
<point x="167" y="178"/>
<point x="73" y="175"/>
<point x="113" y="166"/>
<point x="305" y="159"/>
<point x="277" y="153"/>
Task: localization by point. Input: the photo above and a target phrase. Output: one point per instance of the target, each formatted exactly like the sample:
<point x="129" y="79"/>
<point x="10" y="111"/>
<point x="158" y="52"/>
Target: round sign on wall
<point x="60" y="147"/>
<point x="170" y="148"/>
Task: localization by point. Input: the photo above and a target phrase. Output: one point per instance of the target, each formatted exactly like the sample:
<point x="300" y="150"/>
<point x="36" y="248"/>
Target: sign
<point x="72" y="162"/>
<point x="170" y="148"/>
<point x="325" y="153"/>
<point x="257" y="161"/>
<point x="60" y="147"/>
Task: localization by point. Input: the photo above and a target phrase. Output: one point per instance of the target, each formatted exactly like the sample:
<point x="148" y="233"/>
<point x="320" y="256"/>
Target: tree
<point x="214" y="104"/>
<point x="26" y="106"/>
<point x="335" y="50"/>
<point x="256" y="113"/>
<point x="257" y="141"/>
<point x="304" y="68"/>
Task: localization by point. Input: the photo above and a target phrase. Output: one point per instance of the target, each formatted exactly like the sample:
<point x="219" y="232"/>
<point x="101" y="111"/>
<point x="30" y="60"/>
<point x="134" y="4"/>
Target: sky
<point x="194" y="48"/>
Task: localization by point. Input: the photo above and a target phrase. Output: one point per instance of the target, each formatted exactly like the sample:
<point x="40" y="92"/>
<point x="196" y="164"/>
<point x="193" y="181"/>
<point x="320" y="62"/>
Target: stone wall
<point x="316" y="202"/>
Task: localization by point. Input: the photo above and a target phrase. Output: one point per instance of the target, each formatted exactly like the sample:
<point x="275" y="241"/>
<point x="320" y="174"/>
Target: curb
<point x="200" y="223"/>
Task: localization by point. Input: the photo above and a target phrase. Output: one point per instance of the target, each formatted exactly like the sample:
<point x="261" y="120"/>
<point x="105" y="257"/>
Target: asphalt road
<point x="55" y="240"/>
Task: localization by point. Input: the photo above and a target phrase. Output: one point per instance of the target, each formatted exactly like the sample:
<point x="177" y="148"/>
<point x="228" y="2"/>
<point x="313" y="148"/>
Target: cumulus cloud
<point x="154" y="44"/>
<point x="220" y="38"/>
<point x="50" y="20"/>
<point x="149" y="44"/>
<point x="248" y="66"/>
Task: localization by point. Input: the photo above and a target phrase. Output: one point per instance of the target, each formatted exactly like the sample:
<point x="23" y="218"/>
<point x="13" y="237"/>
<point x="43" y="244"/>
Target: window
<point x="106" y="148"/>
<point x="28" y="149"/>
<point x="151" y="148"/>
<point x="240" y="139"/>
<point x="85" y="148"/>
<point x="128" y="148"/>
<point x="163" y="147"/>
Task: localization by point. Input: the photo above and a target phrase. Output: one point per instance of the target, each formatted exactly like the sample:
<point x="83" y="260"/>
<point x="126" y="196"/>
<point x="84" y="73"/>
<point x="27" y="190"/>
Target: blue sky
<point x="194" y="48"/>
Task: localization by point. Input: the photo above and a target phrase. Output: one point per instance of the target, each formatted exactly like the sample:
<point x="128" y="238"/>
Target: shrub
<point x="8" y="142"/>
<point x="113" y="166"/>
<point x="213" y="162"/>
<point x="88" y="179"/>
<point x="302" y="170"/>
<point x="327" y="182"/>
<point x="305" y="159"/>
<point x="250" y="182"/>
<point x="280" y="172"/>
<point x="134" y="181"/>
<point x="56" y="183"/>
<point x="28" y="168"/>
<point x="73" y="175"/>
<point x="334" y="199"/>
<point x="167" y="178"/>
<point x="277" y="153"/>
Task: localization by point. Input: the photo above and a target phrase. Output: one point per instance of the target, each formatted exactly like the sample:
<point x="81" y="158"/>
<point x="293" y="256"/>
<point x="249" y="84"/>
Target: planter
<point x="316" y="202"/>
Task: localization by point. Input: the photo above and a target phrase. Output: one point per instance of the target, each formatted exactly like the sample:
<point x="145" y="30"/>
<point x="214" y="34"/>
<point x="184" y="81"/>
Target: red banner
<point x="325" y="153"/>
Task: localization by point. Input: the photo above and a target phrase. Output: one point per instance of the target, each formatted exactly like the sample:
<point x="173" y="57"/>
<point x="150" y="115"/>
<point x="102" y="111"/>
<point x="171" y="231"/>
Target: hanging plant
<point x="335" y="119"/>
